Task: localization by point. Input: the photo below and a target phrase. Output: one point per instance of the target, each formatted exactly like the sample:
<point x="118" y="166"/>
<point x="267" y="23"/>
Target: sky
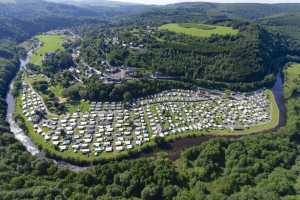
<point x="164" y="2"/>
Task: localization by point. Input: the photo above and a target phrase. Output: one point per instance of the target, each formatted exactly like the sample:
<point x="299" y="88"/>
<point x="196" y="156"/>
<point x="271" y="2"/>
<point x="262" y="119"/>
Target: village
<point x="110" y="73"/>
<point x="116" y="126"/>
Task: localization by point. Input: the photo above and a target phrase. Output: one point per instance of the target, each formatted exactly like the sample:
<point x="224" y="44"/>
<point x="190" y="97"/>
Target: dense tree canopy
<point x="257" y="167"/>
<point x="264" y="166"/>
<point x="248" y="57"/>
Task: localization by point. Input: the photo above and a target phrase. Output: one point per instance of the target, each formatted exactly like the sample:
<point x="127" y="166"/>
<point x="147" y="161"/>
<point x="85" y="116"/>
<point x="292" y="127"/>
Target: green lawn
<point x="35" y="78"/>
<point x="199" y="30"/>
<point x="84" y="106"/>
<point x="50" y="43"/>
<point x="292" y="76"/>
<point x="57" y="90"/>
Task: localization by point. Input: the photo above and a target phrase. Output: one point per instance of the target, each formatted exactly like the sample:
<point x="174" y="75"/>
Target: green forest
<point x="264" y="166"/>
<point x="250" y="56"/>
<point x="253" y="167"/>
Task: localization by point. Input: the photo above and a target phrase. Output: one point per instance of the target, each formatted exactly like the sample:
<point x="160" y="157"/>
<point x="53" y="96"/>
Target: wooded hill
<point x="258" y="167"/>
<point x="250" y="56"/>
<point x="287" y="24"/>
<point x="263" y="167"/>
<point x="8" y="67"/>
<point x="23" y="19"/>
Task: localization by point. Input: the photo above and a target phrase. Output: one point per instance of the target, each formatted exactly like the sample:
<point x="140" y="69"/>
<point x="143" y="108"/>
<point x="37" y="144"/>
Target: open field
<point x="83" y="106"/>
<point x="199" y="30"/>
<point x="57" y="90"/>
<point x="292" y="99"/>
<point x="36" y="78"/>
<point x="292" y="74"/>
<point x="50" y="43"/>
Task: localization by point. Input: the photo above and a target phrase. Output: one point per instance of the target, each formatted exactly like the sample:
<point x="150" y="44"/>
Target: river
<point x="19" y="134"/>
<point x="278" y="94"/>
<point x="175" y="147"/>
<point x="14" y="128"/>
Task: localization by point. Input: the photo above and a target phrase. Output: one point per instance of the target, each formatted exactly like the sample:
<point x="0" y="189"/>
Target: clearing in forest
<point x="199" y="30"/>
<point x="292" y="74"/>
<point x="50" y="43"/>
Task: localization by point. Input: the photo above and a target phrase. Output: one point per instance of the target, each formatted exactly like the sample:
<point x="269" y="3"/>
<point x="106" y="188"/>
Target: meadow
<point x="50" y="43"/>
<point x="292" y="75"/>
<point x="199" y="30"/>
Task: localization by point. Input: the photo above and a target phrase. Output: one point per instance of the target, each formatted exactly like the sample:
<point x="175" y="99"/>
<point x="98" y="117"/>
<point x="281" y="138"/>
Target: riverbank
<point x="40" y="146"/>
<point x="152" y="146"/>
<point x="14" y="128"/>
<point x="19" y="133"/>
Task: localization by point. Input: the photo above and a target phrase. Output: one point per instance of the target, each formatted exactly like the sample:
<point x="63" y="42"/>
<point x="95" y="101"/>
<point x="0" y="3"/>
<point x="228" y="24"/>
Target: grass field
<point x="199" y="30"/>
<point x="83" y="106"/>
<point x="57" y="90"/>
<point x="50" y="43"/>
<point x="291" y="95"/>
<point x="292" y="77"/>
<point x="35" y="78"/>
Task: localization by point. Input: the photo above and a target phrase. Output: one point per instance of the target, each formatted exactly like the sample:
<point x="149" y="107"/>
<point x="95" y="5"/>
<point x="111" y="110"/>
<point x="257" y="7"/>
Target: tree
<point x="127" y="96"/>
<point x="151" y="192"/>
<point x="169" y="192"/>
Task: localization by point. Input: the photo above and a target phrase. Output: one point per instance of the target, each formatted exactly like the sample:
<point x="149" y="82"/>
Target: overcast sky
<point x="163" y="2"/>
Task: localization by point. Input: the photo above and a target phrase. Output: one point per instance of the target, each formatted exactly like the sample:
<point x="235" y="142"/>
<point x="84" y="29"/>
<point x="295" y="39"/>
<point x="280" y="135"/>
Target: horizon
<point x="166" y="2"/>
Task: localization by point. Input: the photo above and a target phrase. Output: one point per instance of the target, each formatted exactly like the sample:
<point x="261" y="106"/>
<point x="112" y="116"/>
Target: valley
<point x="93" y="131"/>
<point x="114" y="101"/>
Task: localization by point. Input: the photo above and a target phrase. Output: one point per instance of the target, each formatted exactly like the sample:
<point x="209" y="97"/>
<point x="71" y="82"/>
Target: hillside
<point x="253" y="167"/>
<point x="250" y="11"/>
<point x="24" y="19"/>
<point x="8" y="69"/>
<point x="123" y="79"/>
<point x="250" y="56"/>
<point x="20" y="20"/>
<point x="287" y="24"/>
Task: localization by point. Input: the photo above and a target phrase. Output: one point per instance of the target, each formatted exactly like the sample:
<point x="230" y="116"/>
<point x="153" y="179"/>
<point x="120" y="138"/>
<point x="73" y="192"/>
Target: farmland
<point x="50" y="43"/>
<point x="199" y="30"/>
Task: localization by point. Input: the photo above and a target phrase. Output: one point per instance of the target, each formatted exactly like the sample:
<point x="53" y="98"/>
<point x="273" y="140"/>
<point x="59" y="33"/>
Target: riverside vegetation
<point x="263" y="166"/>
